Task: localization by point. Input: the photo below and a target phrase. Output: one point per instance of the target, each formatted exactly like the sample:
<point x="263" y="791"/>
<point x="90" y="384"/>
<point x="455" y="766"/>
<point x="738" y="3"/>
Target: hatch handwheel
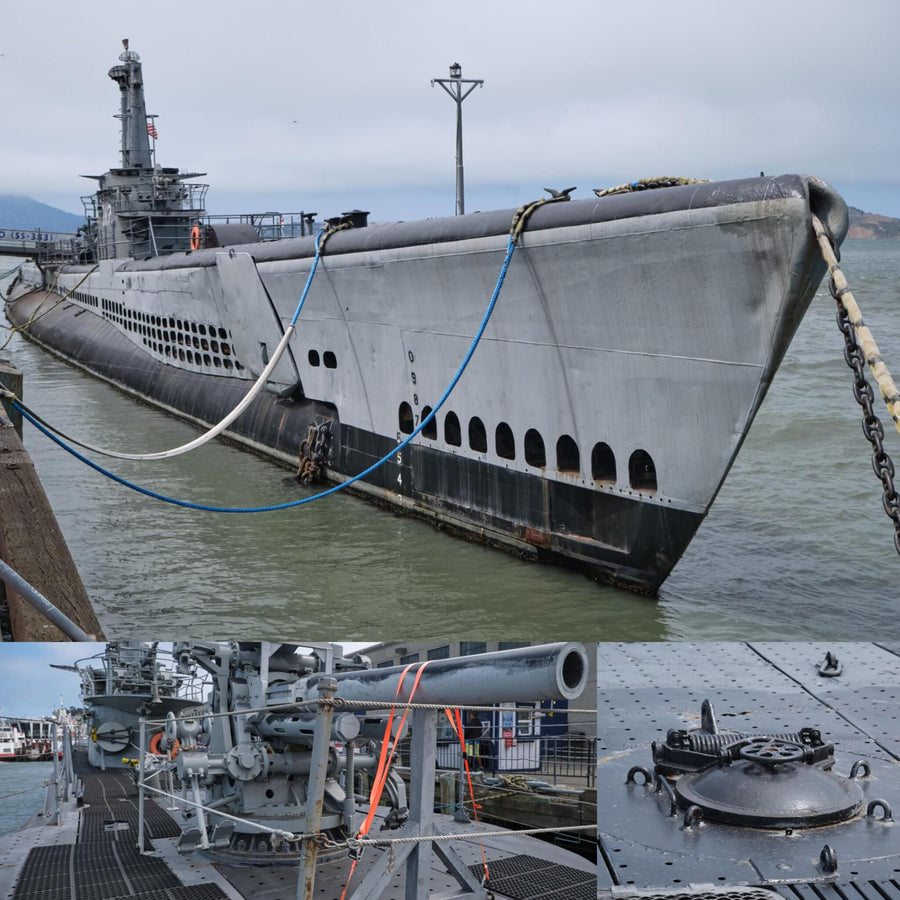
<point x="771" y="751"/>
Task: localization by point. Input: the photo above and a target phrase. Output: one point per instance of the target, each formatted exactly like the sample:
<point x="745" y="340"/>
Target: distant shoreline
<point x="871" y="226"/>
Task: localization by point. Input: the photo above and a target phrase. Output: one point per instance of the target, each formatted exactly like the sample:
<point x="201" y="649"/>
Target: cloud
<point x="30" y="687"/>
<point x="571" y="88"/>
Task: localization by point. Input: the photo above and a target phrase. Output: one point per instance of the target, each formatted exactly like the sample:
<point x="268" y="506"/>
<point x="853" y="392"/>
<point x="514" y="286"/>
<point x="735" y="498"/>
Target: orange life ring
<point x="154" y="744"/>
<point x="195" y="238"/>
<point x="175" y="748"/>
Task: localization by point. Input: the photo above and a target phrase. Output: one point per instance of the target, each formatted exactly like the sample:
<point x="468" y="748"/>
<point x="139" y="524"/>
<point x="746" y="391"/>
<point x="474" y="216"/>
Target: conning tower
<point x="140" y="209"/>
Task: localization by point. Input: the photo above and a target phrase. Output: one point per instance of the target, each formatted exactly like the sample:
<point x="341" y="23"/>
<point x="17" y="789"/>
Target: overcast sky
<point x="29" y="687"/>
<point x="328" y="106"/>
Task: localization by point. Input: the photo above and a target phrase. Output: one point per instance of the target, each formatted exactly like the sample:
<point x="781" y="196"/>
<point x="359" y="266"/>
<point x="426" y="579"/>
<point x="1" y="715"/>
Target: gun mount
<point x="269" y="753"/>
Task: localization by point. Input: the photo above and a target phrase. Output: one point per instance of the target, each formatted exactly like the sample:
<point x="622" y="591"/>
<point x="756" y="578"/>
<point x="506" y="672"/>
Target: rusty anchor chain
<point x="860" y="348"/>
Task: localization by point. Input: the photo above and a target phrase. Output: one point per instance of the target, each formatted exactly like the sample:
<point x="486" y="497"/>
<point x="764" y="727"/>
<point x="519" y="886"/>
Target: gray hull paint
<point x="648" y="322"/>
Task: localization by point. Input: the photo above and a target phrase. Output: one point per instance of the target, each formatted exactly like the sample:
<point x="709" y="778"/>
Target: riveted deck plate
<point x="644" y="690"/>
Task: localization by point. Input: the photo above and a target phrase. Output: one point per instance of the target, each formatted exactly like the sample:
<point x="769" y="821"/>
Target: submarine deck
<point x="93" y="855"/>
<point x="650" y="845"/>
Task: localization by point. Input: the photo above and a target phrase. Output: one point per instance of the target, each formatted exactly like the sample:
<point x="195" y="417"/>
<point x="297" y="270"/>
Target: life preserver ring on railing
<point x="195" y="238"/>
<point x="155" y="742"/>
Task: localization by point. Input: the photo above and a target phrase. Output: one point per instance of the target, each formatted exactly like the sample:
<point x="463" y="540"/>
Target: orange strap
<point x="458" y="729"/>
<point x="384" y="761"/>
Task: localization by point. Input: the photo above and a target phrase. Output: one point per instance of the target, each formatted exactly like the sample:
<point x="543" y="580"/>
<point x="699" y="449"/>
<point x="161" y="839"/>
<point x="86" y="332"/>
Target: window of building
<point x="468" y="648"/>
<point x="511" y="645"/>
<point x="409" y="658"/>
<point x="440" y="652"/>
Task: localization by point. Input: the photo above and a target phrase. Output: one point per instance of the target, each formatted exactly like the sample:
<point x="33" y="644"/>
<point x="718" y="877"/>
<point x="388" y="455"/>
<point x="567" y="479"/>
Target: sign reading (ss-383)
<point x="9" y="234"/>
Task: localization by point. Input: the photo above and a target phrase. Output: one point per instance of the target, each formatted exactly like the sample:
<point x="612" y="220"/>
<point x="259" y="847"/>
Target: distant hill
<point x="871" y="225"/>
<point x="27" y="214"/>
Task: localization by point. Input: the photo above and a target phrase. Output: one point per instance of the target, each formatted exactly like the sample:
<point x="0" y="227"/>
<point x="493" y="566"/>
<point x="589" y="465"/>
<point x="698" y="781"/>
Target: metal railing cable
<point x="36" y="599"/>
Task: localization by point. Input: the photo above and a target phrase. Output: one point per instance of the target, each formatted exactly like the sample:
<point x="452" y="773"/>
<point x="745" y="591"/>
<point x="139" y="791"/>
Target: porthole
<point x="329" y="360"/>
<point x="567" y="457"/>
<point x="603" y="463"/>
<point x="405" y="418"/>
<point x="430" y="430"/>
<point x="477" y="435"/>
<point x="452" y="431"/>
<point x="504" y="442"/>
<point x="642" y="471"/>
<point x="312" y="356"/>
<point x="535" y="455"/>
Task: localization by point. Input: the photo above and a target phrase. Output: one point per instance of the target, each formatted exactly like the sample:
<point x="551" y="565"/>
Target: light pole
<point x="454" y="88"/>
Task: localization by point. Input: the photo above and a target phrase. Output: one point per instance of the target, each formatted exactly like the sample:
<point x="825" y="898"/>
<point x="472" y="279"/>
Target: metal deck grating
<point x="105" y="864"/>
<point x="191" y="892"/>
<point x="529" y="878"/>
<point x="853" y="890"/>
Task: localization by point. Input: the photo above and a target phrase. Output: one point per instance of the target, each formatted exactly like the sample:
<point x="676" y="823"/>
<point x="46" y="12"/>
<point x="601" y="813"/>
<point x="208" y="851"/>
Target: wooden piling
<point x="11" y="379"/>
<point x="32" y="544"/>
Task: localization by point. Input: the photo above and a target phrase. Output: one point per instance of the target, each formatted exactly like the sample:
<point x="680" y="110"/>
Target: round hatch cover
<point x="770" y="786"/>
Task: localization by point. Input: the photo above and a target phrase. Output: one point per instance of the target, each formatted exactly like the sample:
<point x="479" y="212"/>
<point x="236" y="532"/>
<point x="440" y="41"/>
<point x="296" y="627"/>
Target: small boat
<point x="12" y="742"/>
<point x="609" y="357"/>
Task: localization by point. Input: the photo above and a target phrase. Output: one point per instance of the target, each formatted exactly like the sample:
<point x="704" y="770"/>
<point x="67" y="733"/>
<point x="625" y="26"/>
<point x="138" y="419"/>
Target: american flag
<point x="151" y="130"/>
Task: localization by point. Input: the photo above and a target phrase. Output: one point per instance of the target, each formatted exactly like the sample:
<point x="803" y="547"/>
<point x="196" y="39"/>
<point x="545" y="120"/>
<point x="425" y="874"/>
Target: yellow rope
<point x="863" y="336"/>
<point x="38" y="314"/>
<point x="644" y="183"/>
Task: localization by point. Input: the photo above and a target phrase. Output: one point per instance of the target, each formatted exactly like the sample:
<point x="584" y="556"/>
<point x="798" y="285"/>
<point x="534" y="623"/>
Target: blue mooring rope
<point x="510" y="249"/>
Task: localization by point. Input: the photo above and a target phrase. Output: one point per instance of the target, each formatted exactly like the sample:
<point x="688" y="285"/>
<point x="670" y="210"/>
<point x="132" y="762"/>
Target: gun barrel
<point x="543" y="672"/>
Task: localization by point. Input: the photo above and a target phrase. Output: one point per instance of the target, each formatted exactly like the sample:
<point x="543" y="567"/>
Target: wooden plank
<point x="32" y="544"/>
<point x="11" y="379"/>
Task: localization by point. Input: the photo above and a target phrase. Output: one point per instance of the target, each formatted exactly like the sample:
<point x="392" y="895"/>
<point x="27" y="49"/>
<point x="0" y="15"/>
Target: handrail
<point x="42" y="604"/>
